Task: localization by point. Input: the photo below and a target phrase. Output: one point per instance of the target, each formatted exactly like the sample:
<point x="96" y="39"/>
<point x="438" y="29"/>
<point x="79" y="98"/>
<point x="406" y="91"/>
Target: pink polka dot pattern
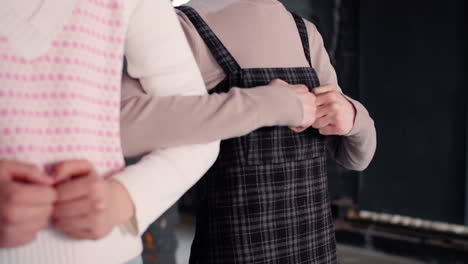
<point x="64" y="104"/>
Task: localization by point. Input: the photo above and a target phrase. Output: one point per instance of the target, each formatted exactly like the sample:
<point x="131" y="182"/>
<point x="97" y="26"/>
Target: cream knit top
<point x="60" y="74"/>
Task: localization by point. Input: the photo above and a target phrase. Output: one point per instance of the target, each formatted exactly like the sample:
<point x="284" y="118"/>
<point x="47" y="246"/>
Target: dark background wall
<point x="411" y="78"/>
<point x="405" y="61"/>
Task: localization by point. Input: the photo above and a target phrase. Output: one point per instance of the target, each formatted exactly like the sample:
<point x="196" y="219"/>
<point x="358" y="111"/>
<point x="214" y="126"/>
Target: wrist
<point x="353" y="111"/>
<point x="121" y="203"/>
<point x="283" y="105"/>
<point x="357" y="112"/>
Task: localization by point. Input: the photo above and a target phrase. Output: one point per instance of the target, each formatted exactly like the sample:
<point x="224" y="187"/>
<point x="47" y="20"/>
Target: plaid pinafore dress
<point x="265" y="200"/>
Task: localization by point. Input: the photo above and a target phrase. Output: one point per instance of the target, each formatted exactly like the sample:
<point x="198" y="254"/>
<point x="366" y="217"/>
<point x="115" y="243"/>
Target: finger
<point x="300" y="88"/>
<point x="298" y="129"/>
<point x="72" y="168"/>
<point x="77" y="208"/>
<point x="17" y="235"/>
<point x="330" y="110"/>
<point x="76" y="188"/>
<point x="322" y="122"/>
<point x="23" y="193"/>
<point x="36" y="195"/>
<point x="328" y="130"/>
<point x="33" y="226"/>
<point x="15" y="238"/>
<point x="24" y="172"/>
<point x="17" y="241"/>
<point x="324" y="99"/>
<point x="39" y="217"/>
<point x="322" y="111"/>
<point x="78" y="234"/>
<point x="69" y="224"/>
<point x="327" y="98"/>
<point x="25" y="215"/>
<point x="79" y="223"/>
<point x="278" y="82"/>
<point x="324" y="89"/>
<point x="85" y="227"/>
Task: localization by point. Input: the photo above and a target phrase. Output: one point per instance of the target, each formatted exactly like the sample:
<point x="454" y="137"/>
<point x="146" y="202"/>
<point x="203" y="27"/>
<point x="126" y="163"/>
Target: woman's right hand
<point x="27" y="198"/>
<point x="307" y="99"/>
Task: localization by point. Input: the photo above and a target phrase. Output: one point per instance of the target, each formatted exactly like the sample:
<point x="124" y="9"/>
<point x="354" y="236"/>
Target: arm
<point x="355" y="149"/>
<point x="199" y="119"/>
<point x="158" y="55"/>
<point x="149" y="122"/>
<point x="161" y="178"/>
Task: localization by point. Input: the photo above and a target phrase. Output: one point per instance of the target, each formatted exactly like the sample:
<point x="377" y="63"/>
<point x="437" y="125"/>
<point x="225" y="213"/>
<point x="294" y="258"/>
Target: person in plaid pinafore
<point x="265" y="200"/>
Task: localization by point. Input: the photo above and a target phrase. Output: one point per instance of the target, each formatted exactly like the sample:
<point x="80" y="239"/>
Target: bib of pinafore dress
<point x="265" y="200"/>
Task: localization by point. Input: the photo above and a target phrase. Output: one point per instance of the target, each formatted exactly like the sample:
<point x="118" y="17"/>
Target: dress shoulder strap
<point x="223" y="57"/>
<point x="301" y="27"/>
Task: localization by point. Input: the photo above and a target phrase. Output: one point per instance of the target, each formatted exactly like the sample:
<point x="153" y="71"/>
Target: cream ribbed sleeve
<point x="159" y="56"/>
<point x="221" y="116"/>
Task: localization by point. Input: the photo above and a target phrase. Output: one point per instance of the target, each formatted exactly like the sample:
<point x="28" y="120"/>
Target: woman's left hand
<point x="335" y="114"/>
<point x="88" y="206"/>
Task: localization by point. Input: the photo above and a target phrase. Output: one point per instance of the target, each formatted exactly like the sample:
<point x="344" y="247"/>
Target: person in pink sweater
<point x="65" y="196"/>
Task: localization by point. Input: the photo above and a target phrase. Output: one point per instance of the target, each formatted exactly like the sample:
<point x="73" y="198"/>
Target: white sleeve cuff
<point x="161" y="178"/>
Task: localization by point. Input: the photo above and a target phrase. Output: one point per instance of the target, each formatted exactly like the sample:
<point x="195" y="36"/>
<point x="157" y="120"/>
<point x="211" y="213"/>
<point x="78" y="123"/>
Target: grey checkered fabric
<point x="265" y="200"/>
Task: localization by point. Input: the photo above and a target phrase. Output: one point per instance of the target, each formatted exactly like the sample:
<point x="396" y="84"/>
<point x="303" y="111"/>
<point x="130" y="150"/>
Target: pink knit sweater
<point x="65" y="103"/>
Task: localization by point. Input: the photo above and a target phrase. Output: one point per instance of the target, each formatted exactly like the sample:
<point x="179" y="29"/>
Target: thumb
<point x="72" y="168"/>
<point x="278" y="82"/>
<point x="324" y="89"/>
<point x="27" y="173"/>
<point x="327" y="131"/>
<point x="298" y="129"/>
<point x="300" y="88"/>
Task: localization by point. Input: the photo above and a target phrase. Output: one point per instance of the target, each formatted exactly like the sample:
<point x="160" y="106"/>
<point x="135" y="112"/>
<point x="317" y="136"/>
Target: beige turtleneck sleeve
<point x="255" y="39"/>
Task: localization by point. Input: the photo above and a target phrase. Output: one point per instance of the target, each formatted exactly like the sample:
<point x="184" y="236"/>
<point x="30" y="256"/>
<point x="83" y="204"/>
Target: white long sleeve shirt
<point x="159" y="56"/>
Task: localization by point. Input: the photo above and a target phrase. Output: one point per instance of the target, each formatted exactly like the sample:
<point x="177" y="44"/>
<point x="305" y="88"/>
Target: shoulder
<point x="147" y="11"/>
<point x="311" y="29"/>
<point x="189" y="29"/>
<point x="184" y="20"/>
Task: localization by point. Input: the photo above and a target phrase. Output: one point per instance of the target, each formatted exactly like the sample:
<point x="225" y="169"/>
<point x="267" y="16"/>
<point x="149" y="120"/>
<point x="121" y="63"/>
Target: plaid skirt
<point x="270" y="214"/>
